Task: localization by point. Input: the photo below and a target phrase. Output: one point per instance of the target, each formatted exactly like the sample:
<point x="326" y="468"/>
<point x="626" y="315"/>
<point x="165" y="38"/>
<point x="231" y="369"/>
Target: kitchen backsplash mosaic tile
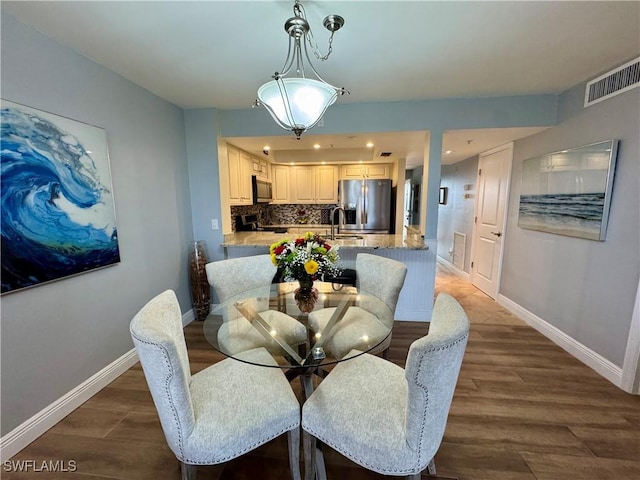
<point x="285" y="214"/>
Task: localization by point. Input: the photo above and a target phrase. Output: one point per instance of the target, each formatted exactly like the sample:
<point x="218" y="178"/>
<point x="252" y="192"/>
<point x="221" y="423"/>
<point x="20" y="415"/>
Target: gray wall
<point x="56" y="336"/>
<point x="201" y="127"/>
<point x="585" y="288"/>
<point x="457" y="214"/>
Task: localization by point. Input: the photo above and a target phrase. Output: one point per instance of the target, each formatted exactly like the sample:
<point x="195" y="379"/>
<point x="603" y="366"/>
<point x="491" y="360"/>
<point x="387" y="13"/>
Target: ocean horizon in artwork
<point x="58" y="217"/>
<point x="573" y="214"/>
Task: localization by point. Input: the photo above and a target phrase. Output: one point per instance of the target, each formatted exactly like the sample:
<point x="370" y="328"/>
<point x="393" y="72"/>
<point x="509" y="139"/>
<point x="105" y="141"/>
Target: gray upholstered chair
<point x="230" y="279"/>
<point x="388" y="419"/>
<point x="375" y="275"/>
<point x="221" y="412"/>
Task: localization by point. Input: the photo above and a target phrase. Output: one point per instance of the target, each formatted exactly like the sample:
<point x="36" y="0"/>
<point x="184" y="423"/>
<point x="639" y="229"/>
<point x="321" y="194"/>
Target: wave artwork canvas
<point x="569" y="192"/>
<point x="57" y="210"/>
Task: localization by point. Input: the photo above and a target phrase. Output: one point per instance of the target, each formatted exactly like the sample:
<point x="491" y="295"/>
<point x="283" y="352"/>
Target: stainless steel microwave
<point x="261" y="190"/>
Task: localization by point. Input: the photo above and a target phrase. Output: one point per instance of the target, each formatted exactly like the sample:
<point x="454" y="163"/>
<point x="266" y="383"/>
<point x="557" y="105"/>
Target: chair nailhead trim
<point x="425" y="388"/>
<point x="357" y="460"/>
<point x="166" y="386"/>
<point x="247" y="449"/>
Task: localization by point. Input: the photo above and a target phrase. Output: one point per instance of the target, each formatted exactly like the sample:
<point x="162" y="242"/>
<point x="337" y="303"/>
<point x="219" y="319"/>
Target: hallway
<point x="526" y="409"/>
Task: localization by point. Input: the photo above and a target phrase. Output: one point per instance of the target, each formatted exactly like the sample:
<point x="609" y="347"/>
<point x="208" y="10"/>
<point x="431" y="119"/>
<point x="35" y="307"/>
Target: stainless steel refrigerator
<point x="366" y="204"/>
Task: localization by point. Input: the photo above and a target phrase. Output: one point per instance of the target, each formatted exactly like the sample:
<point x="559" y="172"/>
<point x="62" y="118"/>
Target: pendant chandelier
<point x="297" y="103"/>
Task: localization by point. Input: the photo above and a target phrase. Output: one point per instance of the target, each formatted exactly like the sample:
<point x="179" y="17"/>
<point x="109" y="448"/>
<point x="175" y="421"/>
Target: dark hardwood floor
<point x="523" y="410"/>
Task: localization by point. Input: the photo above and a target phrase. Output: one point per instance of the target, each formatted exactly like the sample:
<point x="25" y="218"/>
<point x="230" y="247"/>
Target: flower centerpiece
<point x="305" y="259"/>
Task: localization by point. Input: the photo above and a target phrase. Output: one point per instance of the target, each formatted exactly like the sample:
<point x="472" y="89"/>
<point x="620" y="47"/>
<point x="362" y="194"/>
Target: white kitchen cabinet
<point x="374" y="170"/>
<point x="281" y="184"/>
<point x="314" y="184"/>
<point x="326" y="184"/>
<point x="261" y="168"/>
<point x="240" y="171"/>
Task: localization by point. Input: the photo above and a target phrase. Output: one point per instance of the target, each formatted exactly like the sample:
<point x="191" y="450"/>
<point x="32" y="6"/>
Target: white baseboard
<point x="594" y="360"/>
<point x="27" y="432"/>
<point x="188" y="317"/>
<point x="30" y="430"/>
<point x="453" y="268"/>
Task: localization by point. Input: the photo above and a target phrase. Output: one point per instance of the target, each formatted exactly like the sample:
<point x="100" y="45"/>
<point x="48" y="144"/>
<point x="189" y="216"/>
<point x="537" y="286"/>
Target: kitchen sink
<point x="345" y="237"/>
<point x="348" y="240"/>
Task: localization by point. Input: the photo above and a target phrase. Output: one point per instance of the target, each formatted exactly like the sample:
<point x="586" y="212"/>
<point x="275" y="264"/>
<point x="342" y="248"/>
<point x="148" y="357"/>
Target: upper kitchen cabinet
<point x="240" y="171"/>
<point x="281" y="184"/>
<point x="261" y="168"/>
<point x="314" y="184"/>
<point x="375" y="170"/>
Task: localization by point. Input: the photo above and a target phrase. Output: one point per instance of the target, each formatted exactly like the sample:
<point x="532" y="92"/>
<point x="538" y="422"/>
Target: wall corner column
<point x="201" y="131"/>
<point x="430" y="198"/>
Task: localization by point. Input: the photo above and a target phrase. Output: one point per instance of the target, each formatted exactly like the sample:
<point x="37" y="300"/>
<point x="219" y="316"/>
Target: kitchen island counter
<point x="365" y="241"/>
<point x="410" y="249"/>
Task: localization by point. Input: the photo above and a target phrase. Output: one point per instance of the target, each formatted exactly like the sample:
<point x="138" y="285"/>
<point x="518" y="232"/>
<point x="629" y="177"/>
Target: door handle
<point x="497" y="234"/>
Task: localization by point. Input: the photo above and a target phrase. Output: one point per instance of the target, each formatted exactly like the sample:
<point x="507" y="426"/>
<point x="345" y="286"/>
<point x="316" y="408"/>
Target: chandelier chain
<point x="316" y="50"/>
<point x="299" y="11"/>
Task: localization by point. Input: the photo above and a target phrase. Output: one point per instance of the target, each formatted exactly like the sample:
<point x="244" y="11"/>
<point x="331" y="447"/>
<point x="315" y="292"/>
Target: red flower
<point x="300" y="241"/>
<point x="279" y="250"/>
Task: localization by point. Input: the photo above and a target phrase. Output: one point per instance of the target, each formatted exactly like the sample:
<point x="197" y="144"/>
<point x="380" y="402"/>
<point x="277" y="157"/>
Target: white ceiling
<point x="202" y="54"/>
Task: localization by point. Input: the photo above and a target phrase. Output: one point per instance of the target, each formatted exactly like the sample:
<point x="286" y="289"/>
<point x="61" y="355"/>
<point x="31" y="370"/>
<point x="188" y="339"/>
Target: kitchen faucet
<point x="333" y="212"/>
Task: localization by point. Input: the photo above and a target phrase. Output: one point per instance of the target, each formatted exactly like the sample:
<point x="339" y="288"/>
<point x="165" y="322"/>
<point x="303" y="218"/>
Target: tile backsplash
<point x="284" y="214"/>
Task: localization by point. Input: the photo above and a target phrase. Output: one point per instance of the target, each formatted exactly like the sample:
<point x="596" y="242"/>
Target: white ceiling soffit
<point x="340" y="148"/>
<point x="331" y="155"/>
<point x="410" y="146"/>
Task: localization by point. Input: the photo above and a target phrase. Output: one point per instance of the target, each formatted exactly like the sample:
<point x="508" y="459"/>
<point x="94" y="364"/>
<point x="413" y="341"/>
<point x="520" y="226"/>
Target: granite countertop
<point x="372" y="241"/>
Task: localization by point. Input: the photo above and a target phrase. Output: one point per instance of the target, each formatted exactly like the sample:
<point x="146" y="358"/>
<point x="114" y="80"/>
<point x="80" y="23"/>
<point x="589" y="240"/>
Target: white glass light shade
<point x="297" y="103"/>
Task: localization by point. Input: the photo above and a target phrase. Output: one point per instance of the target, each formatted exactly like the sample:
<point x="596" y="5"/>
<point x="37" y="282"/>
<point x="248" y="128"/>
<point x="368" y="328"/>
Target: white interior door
<point x="494" y="171"/>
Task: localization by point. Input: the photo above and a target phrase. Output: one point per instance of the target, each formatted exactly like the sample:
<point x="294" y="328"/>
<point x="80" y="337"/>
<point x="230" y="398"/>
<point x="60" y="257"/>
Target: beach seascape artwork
<point x="57" y="209"/>
<point x="569" y="192"/>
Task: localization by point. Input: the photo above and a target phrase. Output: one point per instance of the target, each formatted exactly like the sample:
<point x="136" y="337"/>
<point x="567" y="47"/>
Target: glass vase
<point x="306" y="295"/>
<point x="200" y="289"/>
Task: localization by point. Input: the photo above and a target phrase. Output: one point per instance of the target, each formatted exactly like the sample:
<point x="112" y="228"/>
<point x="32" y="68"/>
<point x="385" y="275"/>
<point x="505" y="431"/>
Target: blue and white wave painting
<point x="58" y="216"/>
<point x="578" y="214"/>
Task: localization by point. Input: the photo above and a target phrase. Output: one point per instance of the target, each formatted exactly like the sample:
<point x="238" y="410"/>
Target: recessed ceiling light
<point x="369" y="144"/>
<point x="292" y="163"/>
<point x="448" y="152"/>
<point x="316" y="146"/>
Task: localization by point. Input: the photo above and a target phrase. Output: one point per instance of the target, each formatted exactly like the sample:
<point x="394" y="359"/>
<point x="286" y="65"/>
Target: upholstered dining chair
<point x="375" y="275"/>
<point x="223" y="411"/>
<point x="388" y="419"/>
<point x="230" y="278"/>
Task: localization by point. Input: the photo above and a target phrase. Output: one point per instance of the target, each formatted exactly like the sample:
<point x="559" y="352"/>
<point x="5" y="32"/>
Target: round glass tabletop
<point x="343" y="323"/>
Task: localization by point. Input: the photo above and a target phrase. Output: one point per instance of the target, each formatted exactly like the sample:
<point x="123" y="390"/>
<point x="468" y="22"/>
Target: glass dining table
<point x="344" y="323"/>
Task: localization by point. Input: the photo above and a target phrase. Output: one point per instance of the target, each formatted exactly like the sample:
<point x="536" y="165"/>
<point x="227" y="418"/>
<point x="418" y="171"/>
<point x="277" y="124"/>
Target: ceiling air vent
<point x="385" y="154"/>
<point x="612" y="83"/>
